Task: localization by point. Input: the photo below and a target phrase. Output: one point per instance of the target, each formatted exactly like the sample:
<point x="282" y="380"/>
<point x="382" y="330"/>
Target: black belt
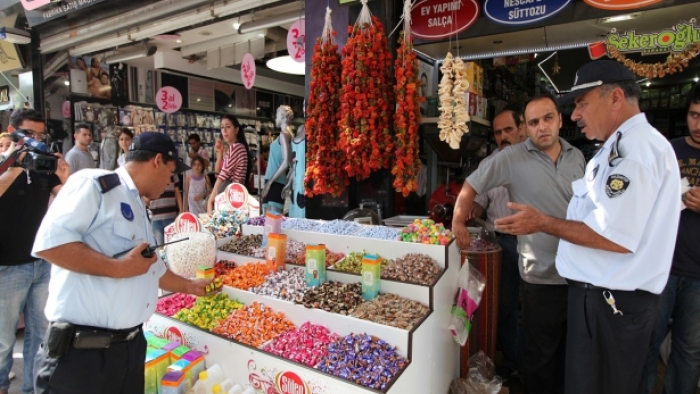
<point x="583" y="285"/>
<point x="114" y="335"/>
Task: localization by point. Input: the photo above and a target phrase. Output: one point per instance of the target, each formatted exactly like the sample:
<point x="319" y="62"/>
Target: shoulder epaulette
<point x="108" y="182"/>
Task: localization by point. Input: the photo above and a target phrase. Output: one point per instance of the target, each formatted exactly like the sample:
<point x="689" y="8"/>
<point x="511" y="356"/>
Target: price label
<point x="296" y="37"/>
<point x="248" y="71"/>
<point x="237" y="196"/>
<point x="187" y="222"/>
<point x="169" y="99"/>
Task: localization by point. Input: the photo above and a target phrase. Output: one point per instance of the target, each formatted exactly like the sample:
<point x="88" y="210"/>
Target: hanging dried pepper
<point x="366" y="99"/>
<point x="407" y="118"/>
<point x="324" y="159"/>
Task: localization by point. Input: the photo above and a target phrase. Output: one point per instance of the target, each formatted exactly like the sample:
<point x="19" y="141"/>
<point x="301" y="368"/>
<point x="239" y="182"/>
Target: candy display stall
<point x="432" y="357"/>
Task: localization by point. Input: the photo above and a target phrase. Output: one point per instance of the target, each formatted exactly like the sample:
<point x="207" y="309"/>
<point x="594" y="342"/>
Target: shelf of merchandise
<point x="432" y="353"/>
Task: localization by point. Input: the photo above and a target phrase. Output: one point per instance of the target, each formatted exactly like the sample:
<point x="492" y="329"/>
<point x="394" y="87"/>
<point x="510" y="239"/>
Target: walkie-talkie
<point x="148" y="252"/>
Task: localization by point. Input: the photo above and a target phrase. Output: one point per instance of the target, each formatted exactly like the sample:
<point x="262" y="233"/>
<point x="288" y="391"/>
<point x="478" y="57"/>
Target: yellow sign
<point x="675" y="39"/>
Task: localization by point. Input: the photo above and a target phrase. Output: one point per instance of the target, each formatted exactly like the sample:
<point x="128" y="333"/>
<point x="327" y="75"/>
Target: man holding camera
<point x="24" y="199"/>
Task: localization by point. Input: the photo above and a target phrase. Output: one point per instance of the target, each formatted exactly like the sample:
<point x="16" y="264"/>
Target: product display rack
<point x="432" y="353"/>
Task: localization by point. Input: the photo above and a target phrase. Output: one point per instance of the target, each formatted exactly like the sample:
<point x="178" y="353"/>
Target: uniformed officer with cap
<point x="618" y="238"/>
<point x="97" y="303"/>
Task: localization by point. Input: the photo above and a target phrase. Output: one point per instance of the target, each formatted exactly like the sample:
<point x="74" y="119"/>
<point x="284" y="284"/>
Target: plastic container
<point x="215" y="375"/>
<point x="184" y="257"/>
<point x="226" y="385"/>
<point x="201" y="386"/>
<point x="216" y="389"/>
<point x="236" y="389"/>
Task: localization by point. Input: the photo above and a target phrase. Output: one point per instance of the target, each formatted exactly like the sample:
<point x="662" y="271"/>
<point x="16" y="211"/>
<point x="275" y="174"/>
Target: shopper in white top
<point x="79" y="157"/>
<point x="618" y="239"/>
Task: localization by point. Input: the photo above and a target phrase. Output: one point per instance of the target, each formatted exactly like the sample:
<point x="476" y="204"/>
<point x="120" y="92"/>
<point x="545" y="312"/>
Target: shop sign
<point x="522" y="12"/>
<point x="248" y="71"/>
<point x="237" y="196"/>
<point x="36" y="17"/>
<point x="290" y="383"/>
<point x="617" y="5"/>
<point x="187" y="222"/>
<point x="675" y="39"/>
<point x="169" y="99"/>
<point x="437" y="19"/>
<point x="296" y="37"/>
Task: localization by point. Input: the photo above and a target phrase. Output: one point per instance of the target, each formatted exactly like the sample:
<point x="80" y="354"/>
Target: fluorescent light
<point x="619" y="18"/>
<point x="696" y="79"/>
<point x="647" y="84"/>
<point x="66" y="82"/>
<point x="236" y="25"/>
<point x="178" y="41"/>
<point x="287" y="65"/>
<point x="261" y="35"/>
<point x="14" y="36"/>
<point x="270" y="22"/>
<point x="123" y="57"/>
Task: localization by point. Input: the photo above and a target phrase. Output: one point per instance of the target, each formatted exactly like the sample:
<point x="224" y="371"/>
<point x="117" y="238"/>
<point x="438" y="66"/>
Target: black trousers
<point x="607" y="351"/>
<point x="544" y="329"/>
<point x="119" y="369"/>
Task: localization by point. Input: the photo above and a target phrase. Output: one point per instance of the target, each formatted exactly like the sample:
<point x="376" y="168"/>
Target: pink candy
<point x="305" y="345"/>
<point x="171" y="305"/>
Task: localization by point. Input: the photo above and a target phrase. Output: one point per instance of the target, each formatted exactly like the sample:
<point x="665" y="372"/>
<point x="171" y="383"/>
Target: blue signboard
<point x="522" y="12"/>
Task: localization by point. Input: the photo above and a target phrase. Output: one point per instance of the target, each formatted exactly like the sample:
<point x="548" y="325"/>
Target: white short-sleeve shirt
<point x="109" y="223"/>
<point x="631" y="196"/>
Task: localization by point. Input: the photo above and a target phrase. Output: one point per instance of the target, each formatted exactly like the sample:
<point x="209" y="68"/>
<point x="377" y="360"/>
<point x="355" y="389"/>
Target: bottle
<point x="215" y="375"/>
<point x="201" y="386"/>
<point x="216" y="389"/>
<point x="236" y="389"/>
<point x="249" y="390"/>
<point x="226" y="385"/>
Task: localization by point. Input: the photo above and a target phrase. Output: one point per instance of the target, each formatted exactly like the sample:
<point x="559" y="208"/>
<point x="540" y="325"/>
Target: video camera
<point x="36" y="155"/>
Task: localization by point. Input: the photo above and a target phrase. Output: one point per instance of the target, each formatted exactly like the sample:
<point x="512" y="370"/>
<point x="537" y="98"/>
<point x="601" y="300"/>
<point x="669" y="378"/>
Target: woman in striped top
<point x="234" y="166"/>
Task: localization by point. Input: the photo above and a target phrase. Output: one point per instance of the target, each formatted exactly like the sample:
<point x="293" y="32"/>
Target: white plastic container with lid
<point x="215" y="374"/>
<point x="201" y="386"/>
<point x="236" y="389"/>
<point x="226" y="385"/>
<point x="216" y="389"/>
<point x="249" y="390"/>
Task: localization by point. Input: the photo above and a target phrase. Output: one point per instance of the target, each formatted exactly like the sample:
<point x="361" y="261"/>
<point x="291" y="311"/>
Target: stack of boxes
<point x="475" y="97"/>
<point x="171" y="368"/>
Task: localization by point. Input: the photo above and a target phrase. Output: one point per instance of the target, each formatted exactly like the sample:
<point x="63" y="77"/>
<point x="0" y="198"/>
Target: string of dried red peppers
<point x="366" y="102"/>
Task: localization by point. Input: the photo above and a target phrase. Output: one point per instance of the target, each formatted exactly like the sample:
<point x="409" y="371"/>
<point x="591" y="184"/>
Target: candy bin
<point x="184" y="257"/>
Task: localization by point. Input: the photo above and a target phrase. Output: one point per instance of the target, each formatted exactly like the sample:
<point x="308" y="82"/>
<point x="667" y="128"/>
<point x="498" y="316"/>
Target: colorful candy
<point x="170" y="305"/>
<point x="225" y="223"/>
<point x="305" y="345"/>
<point x="285" y="285"/>
<point x="331" y="258"/>
<point x="253" y="325"/>
<point x="243" y="245"/>
<point x="208" y="311"/>
<point x="379" y="232"/>
<point x="300" y="224"/>
<point x="339" y="227"/>
<point x="246" y="276"/>
<point x="352" y="263"/>
<point x="392" y="310"/>
<point x="426" y="231"/>
<point x="413" y="268"/>
<point x="363" y="359"/>
<point x="333" y="297"/>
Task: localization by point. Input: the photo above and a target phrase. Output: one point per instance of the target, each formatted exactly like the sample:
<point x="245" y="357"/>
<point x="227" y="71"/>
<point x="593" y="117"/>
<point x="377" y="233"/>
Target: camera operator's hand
<point x="133" y="264"/>
<point x="62" y="168"/>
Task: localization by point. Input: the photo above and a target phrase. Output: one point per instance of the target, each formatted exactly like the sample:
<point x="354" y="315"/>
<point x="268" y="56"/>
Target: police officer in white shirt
<point x="618" y="238"/>
<point x="97" y="303"/>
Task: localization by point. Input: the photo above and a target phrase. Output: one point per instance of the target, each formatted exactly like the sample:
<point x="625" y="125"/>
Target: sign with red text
<point x="248" y="71"/>
<point x="289" y="382"/>
<point x="169" y="99"/>
<point x="616" y="5"/>
<point x="187" y="222"/>
<point x="237" y="196"/>
<point x="296" y="37"/>
<point x="437" y="19"/>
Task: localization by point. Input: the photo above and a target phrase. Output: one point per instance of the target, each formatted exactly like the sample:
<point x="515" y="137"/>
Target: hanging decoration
<point x="407" y="117"/>
<point x="675" y="62"/>
<point x="453" y="106"/>
<point x="367" y="98"/>
<point x="324" y="159"/>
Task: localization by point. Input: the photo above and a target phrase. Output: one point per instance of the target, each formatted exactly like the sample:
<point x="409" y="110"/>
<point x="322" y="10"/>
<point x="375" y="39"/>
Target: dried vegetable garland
<point x="366" y="99"/>
<point x="407" y="117"/>
<point x="453" y="105"/>
<point x="675" y="62"/>
<point x="324" y="160"/>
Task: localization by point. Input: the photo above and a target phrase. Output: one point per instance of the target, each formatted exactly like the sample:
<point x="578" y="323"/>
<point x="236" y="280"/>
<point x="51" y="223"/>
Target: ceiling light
<point x="66" y="82"/>
<point x="696" y="79"/>
<point x="14" y="36"/>
<point x="287" y="65"/>
<point x="619" y="18"/>
<point x="178" y="41"/>
<point x="647" y="84"/>
<point x="141" y="53"/>
<point x="535" y="56"/>
<point x="237" y="24"/>
<point x="261" y="35"/>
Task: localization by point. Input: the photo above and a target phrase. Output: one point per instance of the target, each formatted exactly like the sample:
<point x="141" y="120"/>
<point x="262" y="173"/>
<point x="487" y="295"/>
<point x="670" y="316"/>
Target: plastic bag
<point x="470" y="287"/>
<point x="482" y="377"/>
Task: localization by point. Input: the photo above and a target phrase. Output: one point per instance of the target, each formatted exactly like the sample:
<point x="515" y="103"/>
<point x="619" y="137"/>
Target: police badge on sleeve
<point x="616" y="185"/>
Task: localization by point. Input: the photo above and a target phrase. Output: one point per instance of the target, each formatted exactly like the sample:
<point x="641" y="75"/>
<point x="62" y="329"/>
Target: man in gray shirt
<point x="79" y="157"/>
<point x="537" y="172"/>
